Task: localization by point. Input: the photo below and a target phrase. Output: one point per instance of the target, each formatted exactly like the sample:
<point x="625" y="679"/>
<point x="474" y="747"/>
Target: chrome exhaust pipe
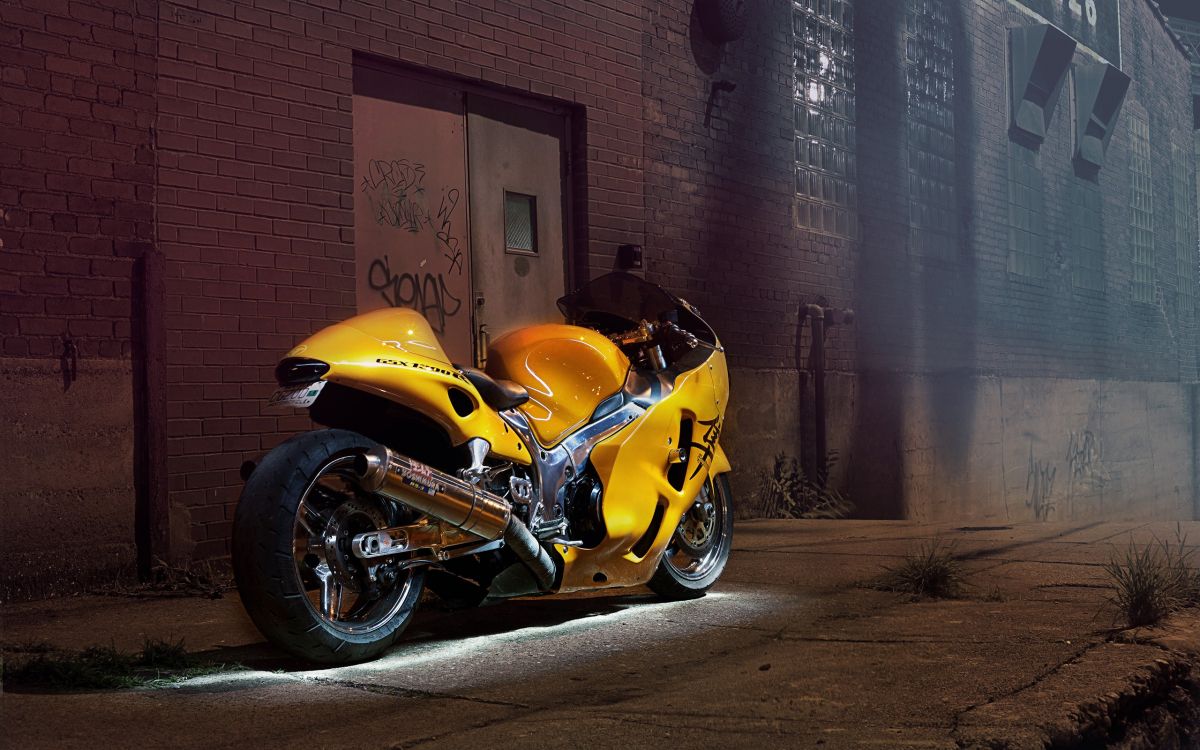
<point x="454" y="501"/>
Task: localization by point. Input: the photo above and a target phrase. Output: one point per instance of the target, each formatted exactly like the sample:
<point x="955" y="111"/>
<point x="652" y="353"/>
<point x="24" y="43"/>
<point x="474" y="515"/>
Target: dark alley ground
<point x="788" y="651"/>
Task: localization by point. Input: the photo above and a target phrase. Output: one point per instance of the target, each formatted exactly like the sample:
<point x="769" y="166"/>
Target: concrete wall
<point x="1029" y="449"/>
<point x="68" y="476"/>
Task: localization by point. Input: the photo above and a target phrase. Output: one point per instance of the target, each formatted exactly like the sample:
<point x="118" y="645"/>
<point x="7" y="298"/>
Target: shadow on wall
<point x="743" y="167"/>
<point x="950" y="299"/>
<point x="916" y="306"/>
<point x="705" y="52"/>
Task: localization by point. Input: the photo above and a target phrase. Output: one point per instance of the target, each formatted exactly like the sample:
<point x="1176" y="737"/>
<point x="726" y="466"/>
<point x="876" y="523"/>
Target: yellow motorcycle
<point x="584" y="456"/>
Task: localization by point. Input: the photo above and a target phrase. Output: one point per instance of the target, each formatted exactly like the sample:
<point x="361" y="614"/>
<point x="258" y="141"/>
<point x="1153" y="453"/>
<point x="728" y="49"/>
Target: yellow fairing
<point x="394" y="353"/>
<point x="567" y="370"/>
<point x="633" y="467"/>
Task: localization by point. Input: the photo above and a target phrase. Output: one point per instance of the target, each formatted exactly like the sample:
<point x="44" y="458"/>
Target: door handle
<point x="482" y="340"/>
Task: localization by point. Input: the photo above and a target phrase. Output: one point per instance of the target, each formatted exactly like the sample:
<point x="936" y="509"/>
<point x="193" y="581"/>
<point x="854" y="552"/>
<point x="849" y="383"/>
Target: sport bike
<point x="584" y="456"/>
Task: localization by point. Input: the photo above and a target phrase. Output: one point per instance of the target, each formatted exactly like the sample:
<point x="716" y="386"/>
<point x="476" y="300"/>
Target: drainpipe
<point x="823" y="318"/>
<point x="152" y="523"/>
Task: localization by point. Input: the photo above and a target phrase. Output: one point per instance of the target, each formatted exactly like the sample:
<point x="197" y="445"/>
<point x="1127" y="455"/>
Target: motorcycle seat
<point x="498" y="394"/>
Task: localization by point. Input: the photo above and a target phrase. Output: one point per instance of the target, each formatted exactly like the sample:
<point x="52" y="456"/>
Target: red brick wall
<point x="77" y="108"/>
<point x="77" y="104"/>
<point x="255" y="184"/>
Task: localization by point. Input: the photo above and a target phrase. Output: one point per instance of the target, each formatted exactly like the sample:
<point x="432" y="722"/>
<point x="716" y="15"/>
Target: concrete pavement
<point x="787" y="651"/>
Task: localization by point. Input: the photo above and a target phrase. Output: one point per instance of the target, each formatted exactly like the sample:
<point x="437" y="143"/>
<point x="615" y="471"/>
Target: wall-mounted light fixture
<point x="629" y="257"/>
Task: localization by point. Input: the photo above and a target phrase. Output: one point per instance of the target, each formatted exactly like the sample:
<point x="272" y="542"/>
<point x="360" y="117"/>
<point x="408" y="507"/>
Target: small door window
<point x="520" y="223"/>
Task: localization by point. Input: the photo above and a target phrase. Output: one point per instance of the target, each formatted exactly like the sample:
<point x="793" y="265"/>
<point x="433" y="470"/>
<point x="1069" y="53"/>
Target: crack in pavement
<point x="987" y="551"/>
<point x="402" y="692"/>
<point x="763" y="724"/>
<point x="969" y="557"/>
<point x="1031" y="683"/>
<point x="884" y="641"/>
<point x="458" y="729"/>
<point x="1118" y="533"/>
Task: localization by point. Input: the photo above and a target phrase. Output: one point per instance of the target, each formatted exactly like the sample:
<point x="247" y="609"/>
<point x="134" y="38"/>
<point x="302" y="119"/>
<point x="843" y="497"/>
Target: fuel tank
<point x="567" y="370"/>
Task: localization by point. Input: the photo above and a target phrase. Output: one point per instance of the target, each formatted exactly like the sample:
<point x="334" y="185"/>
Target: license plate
<point x="296" y="396"/>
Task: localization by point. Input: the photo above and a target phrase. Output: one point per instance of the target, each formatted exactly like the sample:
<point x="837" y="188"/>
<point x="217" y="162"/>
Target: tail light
<point x="299" y="371"/>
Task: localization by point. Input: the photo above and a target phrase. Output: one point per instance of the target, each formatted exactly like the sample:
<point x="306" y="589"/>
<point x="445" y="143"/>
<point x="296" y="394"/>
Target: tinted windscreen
<point x="615" y="301"/>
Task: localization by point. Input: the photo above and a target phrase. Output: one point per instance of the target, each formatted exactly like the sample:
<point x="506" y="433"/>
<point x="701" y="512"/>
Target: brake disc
<point x="697" y="531"/>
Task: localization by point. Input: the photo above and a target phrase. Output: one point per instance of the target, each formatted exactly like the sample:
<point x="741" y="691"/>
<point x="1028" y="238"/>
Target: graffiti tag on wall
<point x="1085" y="461"/>
<point x="1039" y="487"/>
<point x="1085" y="468"/>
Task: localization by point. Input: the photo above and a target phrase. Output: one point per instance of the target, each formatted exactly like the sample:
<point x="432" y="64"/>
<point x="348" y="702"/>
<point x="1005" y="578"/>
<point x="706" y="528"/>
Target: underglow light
<point x="496" y="654"/>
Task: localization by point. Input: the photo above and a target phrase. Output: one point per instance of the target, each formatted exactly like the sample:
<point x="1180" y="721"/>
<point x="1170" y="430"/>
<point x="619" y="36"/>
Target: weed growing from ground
<point x="1153" y="581"/>
<point x="203" y="579"/>
<point x="158" y="663"/>
<point x="931" y="571"/>
<point x="788" y="492"/>
<point x="994" y="594"/>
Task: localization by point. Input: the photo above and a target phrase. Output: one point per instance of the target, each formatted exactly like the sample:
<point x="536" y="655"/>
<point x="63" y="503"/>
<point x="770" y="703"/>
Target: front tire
<point x="291" y="558"/>
<point x="699" y="550"/>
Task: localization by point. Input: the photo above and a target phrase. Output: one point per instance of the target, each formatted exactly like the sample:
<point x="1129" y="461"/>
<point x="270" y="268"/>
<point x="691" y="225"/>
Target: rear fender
<point x="394" y="354"/>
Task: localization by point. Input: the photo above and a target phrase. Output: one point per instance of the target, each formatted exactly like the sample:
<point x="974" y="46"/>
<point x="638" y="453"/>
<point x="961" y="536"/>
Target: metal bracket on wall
<point x="713" y="90"/>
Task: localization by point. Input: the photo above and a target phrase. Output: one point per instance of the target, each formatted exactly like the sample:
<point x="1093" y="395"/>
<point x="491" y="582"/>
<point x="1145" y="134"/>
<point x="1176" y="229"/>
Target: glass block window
<point x="1026" y="220"/>
<point x="1185" y="219"/>
<point x="520" y="223"/>
<point x="1141" y="209"/>
<point x="823" y="91"/>
<point x="1087" y="236"/>
<point x="932" y="202"/>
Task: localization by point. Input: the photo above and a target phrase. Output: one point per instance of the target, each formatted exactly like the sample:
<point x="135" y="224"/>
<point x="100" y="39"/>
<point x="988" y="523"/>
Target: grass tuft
<point x="94" y="668"/>
<point x="203" y="579"/>
<point x="931" y="571"/>
<point x="1153" y="581"/>
<point x="166" y="655"/>
<point x="994" y="594"/>
<point x="159" y="663"/>
<point x="788" y="492"/>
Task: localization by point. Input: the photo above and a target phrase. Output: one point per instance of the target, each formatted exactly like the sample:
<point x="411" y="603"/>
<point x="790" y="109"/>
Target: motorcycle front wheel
<point x="296" y="574"/>
<point x="697" y="553"/>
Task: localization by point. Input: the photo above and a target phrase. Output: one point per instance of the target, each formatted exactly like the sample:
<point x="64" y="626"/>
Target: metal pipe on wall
<point x="152" y="522"/>
<point x="823" y="318"/>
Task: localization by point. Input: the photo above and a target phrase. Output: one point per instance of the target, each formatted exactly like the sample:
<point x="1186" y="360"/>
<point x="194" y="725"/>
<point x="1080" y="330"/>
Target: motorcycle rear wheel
<point x="301" y="585"/>
<point x="699" y="550"/>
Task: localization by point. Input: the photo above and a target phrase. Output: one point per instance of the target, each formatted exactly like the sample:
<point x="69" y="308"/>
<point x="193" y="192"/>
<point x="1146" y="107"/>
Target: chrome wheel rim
<point x="699" y="541"/>
<point x="340" y="590"/>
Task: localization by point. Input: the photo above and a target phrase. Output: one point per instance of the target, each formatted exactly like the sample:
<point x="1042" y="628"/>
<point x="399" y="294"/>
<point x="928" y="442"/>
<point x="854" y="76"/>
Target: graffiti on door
<point x="411" y="228"/>
<point x="396" y="193"/>
<point x="395" y="190"/>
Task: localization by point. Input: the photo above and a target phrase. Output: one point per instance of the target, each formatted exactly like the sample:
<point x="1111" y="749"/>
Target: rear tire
<point x="282" y="561"/>
<point x="693" y="562"/>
